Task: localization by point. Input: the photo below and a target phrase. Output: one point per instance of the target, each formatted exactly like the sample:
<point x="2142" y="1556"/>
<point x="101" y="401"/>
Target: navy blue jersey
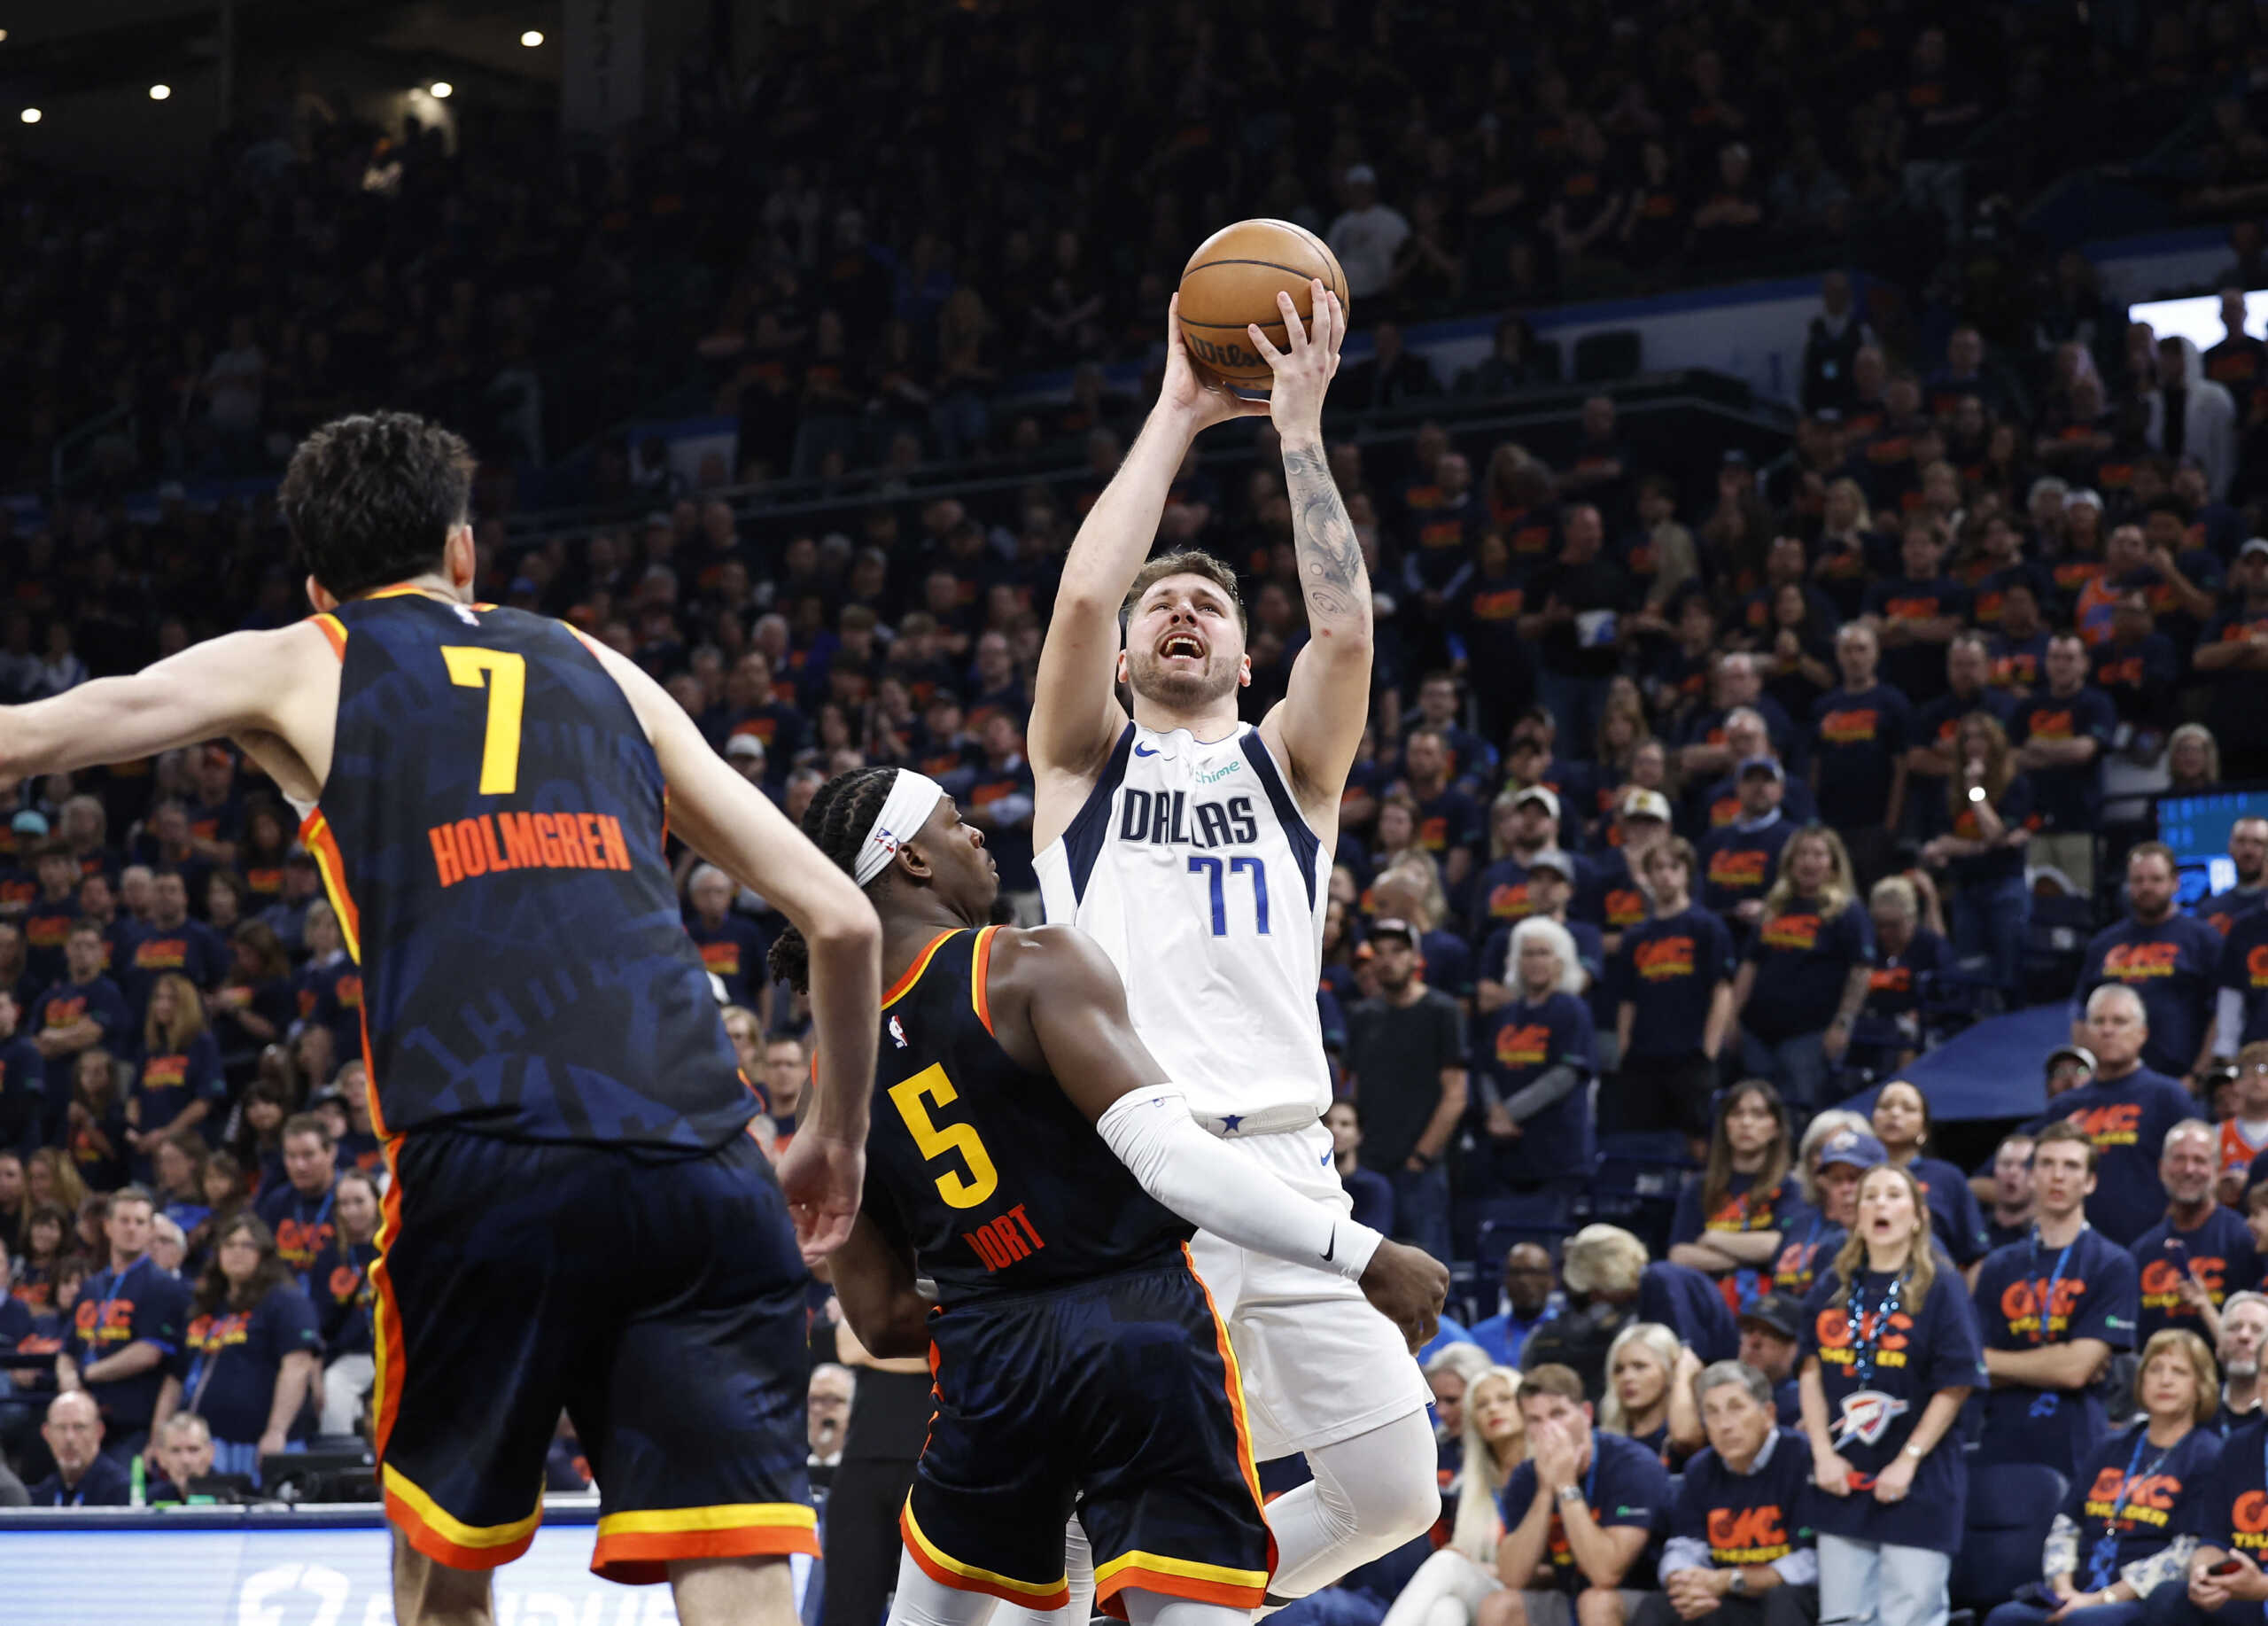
<point x="2173" y="967"/>
<point x="2130" y="1498"/>
<point x="2217" y="1255"/>
<point x="982" y="1167"/>
<point x="1879" y="1384"/>
<point x="490" y="833"/>
<point x="232" y="1357"/>
<point x="2029" y="1295"/>
<point x="1624" y="1486"/>
<point x="1669" y="970"/>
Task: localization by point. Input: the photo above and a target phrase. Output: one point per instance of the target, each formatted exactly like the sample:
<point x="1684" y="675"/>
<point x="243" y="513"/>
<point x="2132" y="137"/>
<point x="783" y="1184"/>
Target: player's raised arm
<point x="1076" y="717"/>
<point x="735" y="827"/>
<point x="257" y="687"/>
<point x="1058" y="1004"/>
<point x="1318" y="726"/>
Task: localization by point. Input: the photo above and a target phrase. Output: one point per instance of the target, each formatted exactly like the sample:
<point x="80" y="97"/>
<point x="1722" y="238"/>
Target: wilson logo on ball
<point x="1214" y="353"/>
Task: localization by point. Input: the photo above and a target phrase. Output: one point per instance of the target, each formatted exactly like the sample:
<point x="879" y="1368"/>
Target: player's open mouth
<point x="1181" y="646"/>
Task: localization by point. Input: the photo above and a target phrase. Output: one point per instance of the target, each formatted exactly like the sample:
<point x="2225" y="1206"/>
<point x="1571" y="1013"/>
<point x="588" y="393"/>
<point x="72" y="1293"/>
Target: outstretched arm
<point x="735" y="827"/>
<point x="1076" y="717"/>
<point x="1057" y="1006"/>
<point x="262" y="688"/>
<point x="1318" y="728"/>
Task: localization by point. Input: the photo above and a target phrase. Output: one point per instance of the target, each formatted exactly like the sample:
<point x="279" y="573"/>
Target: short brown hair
<point x="1186" y="562"/>
<point x="308" y="1123"/>
<point x="2065" y="1130"/>
<point x="1677" y="847"/>
<point x="2180" y="1340"/>
<point x="2152" y="849"/>
<point x="1551" y="1377"/>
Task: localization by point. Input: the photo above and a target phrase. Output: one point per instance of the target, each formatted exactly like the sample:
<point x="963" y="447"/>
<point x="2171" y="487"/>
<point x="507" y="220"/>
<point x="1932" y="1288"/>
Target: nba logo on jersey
<point x="1192" y="867"/>
<point x="897" y="1033"/>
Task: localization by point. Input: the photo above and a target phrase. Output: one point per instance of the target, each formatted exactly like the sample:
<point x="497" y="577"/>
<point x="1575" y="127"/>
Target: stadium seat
<point x="2055" y="941"/>
<point x="1603" y="357"/>
<point x="2010" y="1506"/>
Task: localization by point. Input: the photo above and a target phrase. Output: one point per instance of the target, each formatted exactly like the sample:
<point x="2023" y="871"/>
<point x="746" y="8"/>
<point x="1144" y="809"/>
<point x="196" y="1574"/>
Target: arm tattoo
<point x="1331" y="576"/>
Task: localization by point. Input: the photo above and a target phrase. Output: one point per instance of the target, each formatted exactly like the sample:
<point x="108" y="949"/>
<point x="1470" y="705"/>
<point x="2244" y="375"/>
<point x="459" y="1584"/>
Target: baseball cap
<point x="1391" y="928"/>
<point x="2258" y="544"/>
<point x="1770" y="765"/>
<point x="1543" y="794"/>
<point x="2083" y="498"/>
<point x="29" y="823"/>
<point x="2080" y="1054"/>
<point x="744" y="745"/>
<point x="1854" y="1148"/>
<point x="1640" y="802"/>
<point x="1553" y="859"/>
<point x="1777" y="1312"/>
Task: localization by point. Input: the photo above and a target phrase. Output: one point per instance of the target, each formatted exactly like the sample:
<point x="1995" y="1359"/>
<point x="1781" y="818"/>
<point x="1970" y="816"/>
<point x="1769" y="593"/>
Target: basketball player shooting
<point x="1195" y="850"/>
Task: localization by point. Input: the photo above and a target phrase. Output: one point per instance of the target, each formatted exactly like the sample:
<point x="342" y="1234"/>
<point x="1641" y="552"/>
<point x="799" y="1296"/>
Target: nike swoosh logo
<point x="1146" y="751"/>
<point x="1334" y="1245"/>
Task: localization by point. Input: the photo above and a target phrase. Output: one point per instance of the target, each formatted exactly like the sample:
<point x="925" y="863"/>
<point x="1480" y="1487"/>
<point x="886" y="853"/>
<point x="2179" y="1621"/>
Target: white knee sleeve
<point x="1079" y="1570"/>
<point x="923" y="1602"/>
<point x="1155" y="1609"/>
<point x="1370" y="1494"/>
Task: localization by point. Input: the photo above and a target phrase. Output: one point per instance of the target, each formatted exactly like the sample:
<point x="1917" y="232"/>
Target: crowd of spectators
<point x="853" y="249"/>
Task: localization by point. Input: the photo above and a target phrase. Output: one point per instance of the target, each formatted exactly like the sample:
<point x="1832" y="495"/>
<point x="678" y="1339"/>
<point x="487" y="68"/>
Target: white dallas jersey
<point x="1192" y="867"/>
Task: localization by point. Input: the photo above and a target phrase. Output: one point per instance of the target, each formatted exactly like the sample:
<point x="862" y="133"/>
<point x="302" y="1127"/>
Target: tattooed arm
<point x="1318" y="728"/>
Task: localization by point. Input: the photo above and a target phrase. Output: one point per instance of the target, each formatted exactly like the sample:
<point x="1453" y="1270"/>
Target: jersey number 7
<point x="934" y="1141"/>
<point x="505" y="676"/>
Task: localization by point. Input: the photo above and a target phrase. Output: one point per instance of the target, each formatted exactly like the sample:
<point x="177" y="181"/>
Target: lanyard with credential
<point x="2103" y="1569"/>
<point x="117" y="1289"/>
<point x="2046" y="1289"/>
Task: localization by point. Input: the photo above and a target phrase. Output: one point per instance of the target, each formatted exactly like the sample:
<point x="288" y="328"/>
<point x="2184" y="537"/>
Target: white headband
<point x="912" y="800"/>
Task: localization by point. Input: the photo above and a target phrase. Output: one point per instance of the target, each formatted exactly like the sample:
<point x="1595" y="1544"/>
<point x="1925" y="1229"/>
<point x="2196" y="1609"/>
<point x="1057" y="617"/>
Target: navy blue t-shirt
<point x="2223" y="910"/>
<point x="1691" y="1305"/>
<point x="1808" y="1243"/>
<point x="2229" y="1508"/>
<point x="2244" y="967"/>
<point x="2126" y="1120"/>
<point x="1747" y="1519"/>
<point x="303" y="1225"/>
<point x="2029" y="1295"/>
<point x="2142" y="1493"/>
<point x="1745" y="1208"/>
<point x="1737" y="864"/>
<point x="24" y="1106"/>
<point x="1803" y="959"/>
<point x="1919" y="1353"/>
<point x="141" y="1304"/>
<point x="2174" y="966"/>
<point x="732" y="950"/>
<point x="1954" y="1214"/>
<point x="2218" y="1255"/>
<point x="104" y="1484"/>
<point x="1626" y="1485"/>
<point x="1518" y="1045"/>
<point x="1863" y="735"/>
<point x="2016" y="808"/>
<point x="1669" y="970"/>
<point x="66" y="1004"/>
<point x="168" y="1081"/>
<point x="2069" y="798"/>
<point x="231" y="1357"/>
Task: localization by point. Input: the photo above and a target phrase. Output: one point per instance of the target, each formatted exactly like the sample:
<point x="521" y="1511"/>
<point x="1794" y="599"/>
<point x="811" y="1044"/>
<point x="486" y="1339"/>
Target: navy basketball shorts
<point x="657" y="1301"/>
<point x="1121" y="1395"/>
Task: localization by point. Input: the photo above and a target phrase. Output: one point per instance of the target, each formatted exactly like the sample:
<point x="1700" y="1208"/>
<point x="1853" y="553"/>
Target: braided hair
<point x="841" y="813"/>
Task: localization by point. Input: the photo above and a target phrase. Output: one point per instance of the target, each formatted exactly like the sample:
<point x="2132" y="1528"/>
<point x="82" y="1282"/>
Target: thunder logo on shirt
<point x="1834" y="1329"/>
<point x="1664" y="958"/>
<point x="2128" y="962"/>
<point x="1791" y="931"/>
<point x="2119" y="1123"/>
<point x="2149" y="1500"/>
<point x="2020" y="1304"/>
<point x="1748" y="1535"/>
<point x="1526" y="1046"/>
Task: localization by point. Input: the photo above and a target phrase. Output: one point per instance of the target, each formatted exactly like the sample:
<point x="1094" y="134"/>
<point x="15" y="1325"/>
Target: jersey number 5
<point x="934" y="1141"/>
<point x="505" y="676"/>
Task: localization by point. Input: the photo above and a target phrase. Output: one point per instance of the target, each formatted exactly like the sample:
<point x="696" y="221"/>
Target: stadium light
<point x="440" y="89"/>
<point x="159" y="93"/>
<point x="532" y="38"/>
<point x="30" y="115"/>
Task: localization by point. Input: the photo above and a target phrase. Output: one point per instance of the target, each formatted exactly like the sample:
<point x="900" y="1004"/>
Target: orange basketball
<point x="1232" y="282"/>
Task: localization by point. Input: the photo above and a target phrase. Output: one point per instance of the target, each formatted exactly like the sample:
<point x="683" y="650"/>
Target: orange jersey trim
<point x="385" y="1320"/>
<point x="980" y="996"/>
<point x="334" y="629"/>
<point x="440" y="1536"/>
<point x="948" y="1571"/>
<point x="913" y="973"/>
<point x="315" y="834"/>
<point x="1235" y="1386"/>
<point x="1148" y="1571"/>
<point x="636" y="1549"/>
